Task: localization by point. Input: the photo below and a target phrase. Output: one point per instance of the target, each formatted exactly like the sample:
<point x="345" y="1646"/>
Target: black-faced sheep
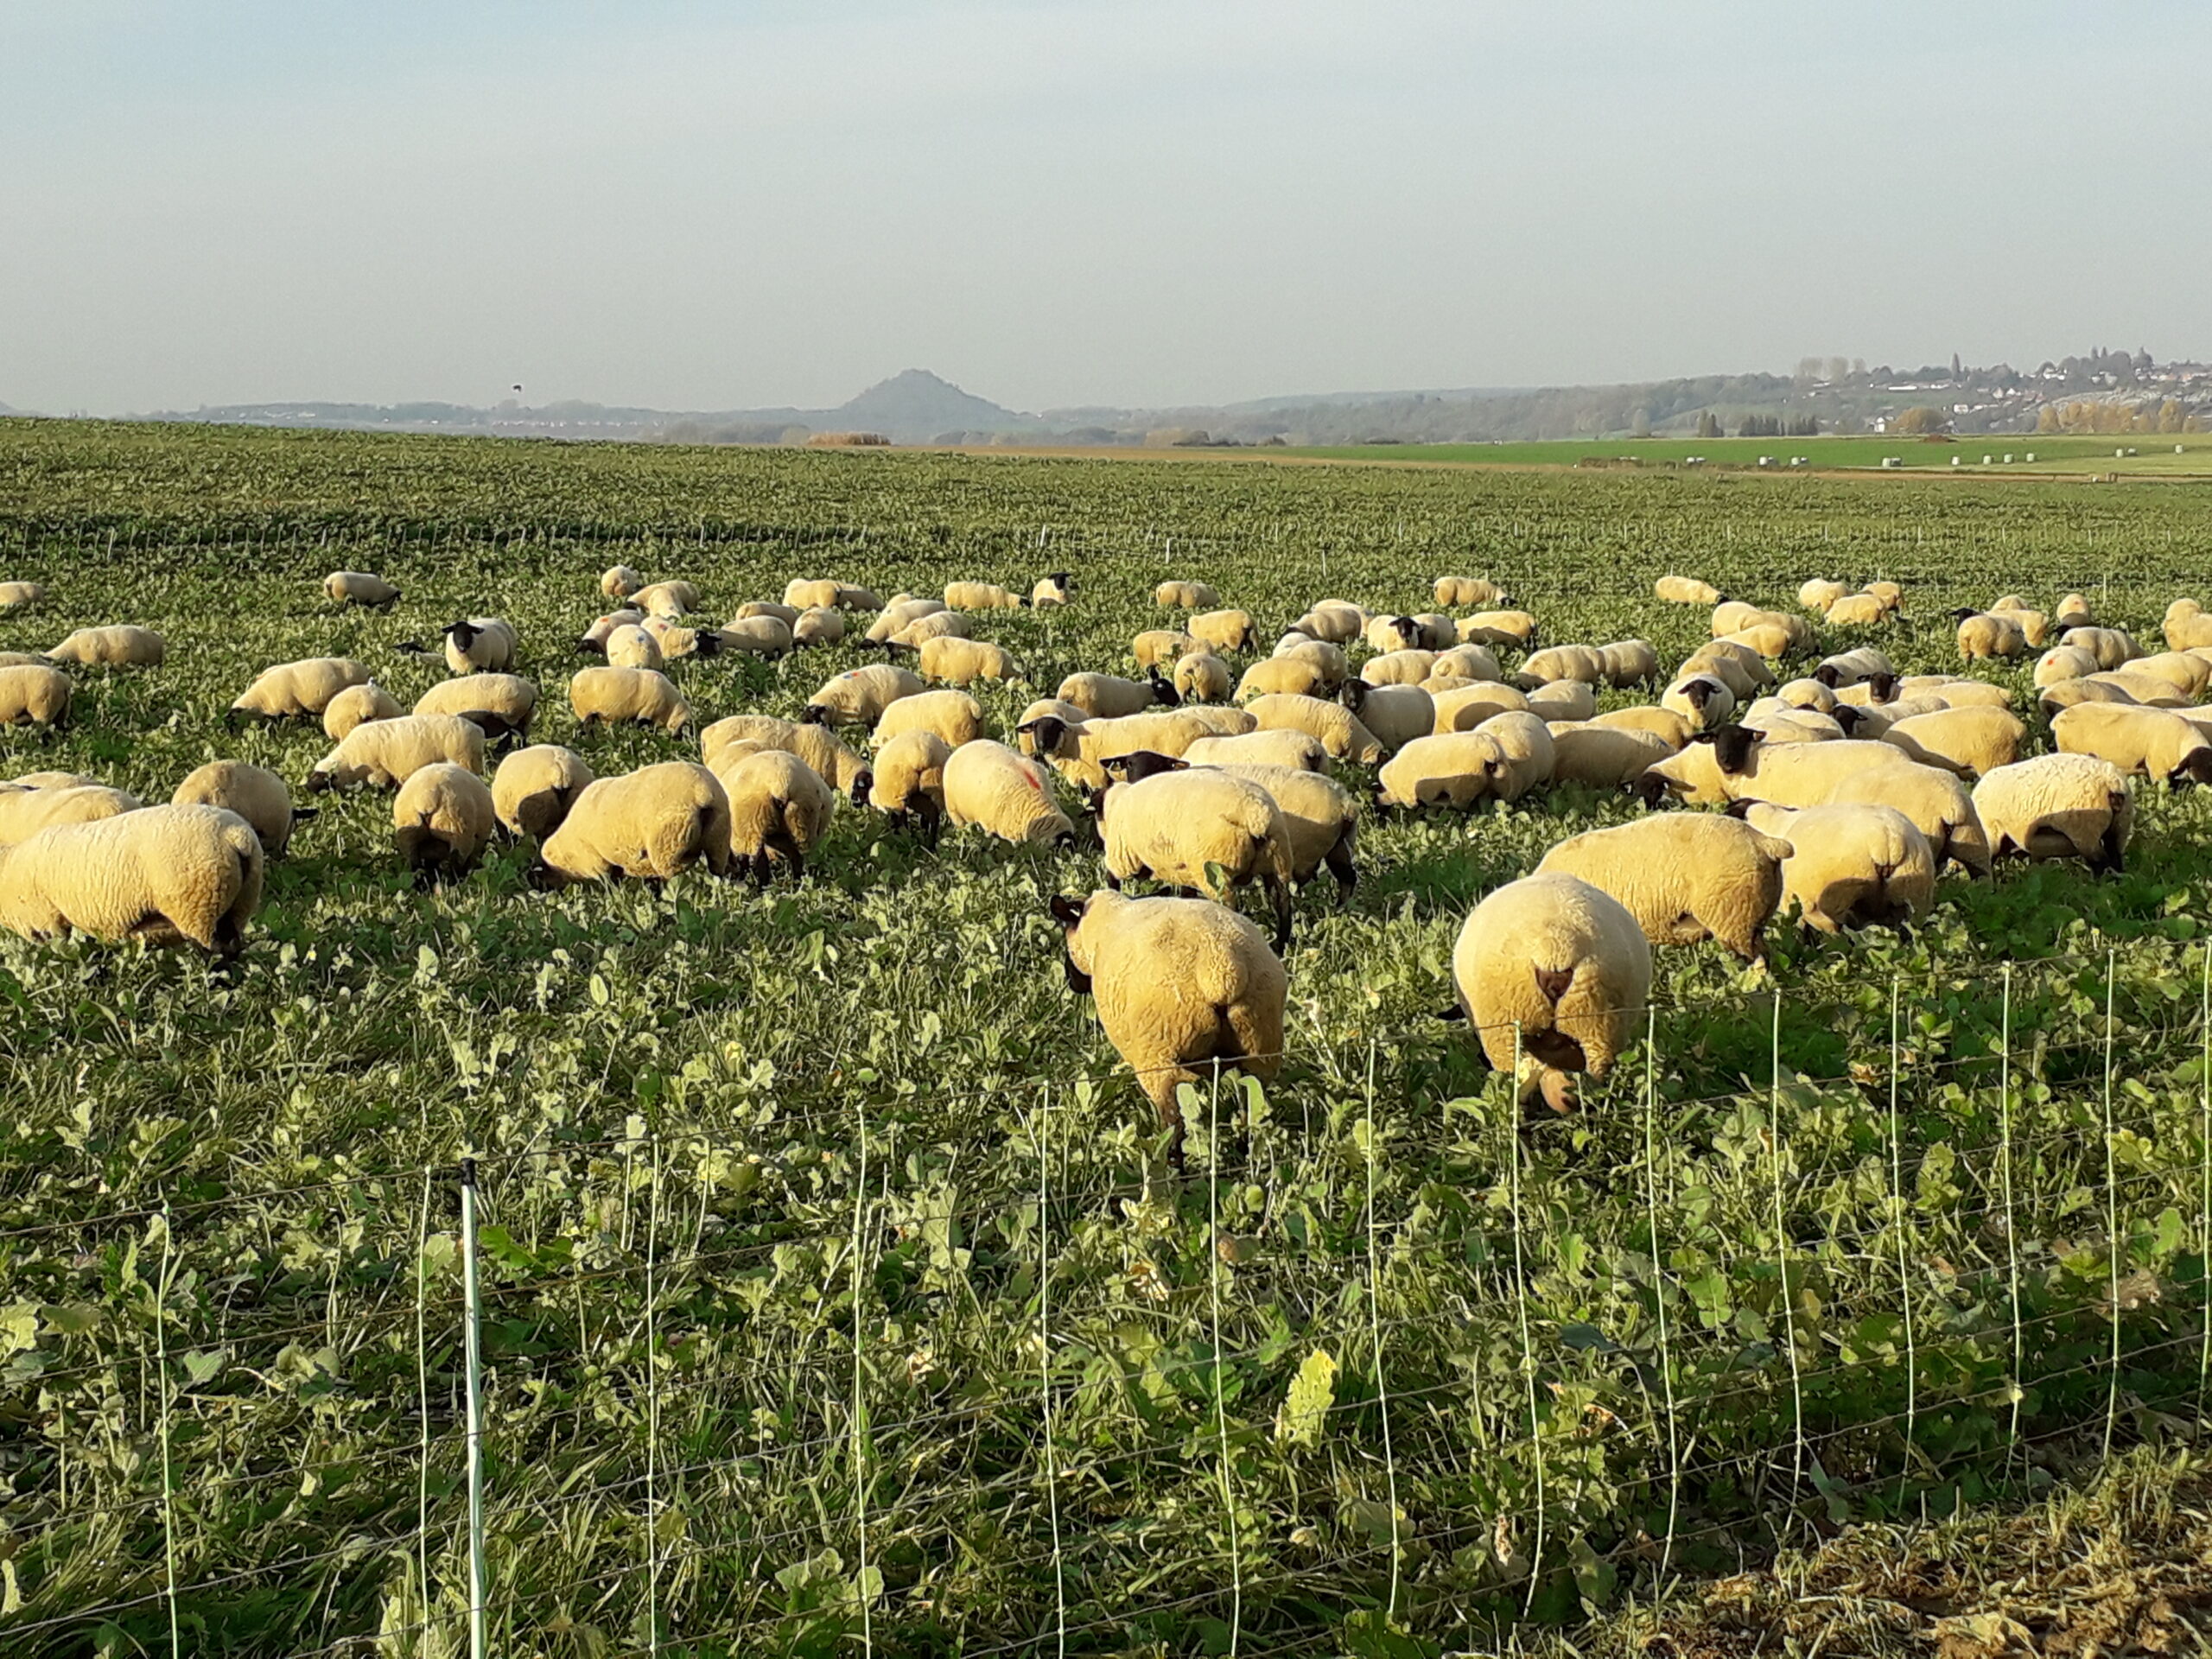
<point x="163" y="873"/>
<point x="255" y="793"/>
<point x="534" y="789"/>
<point x="359" y="588"/>
<point x="384" y="754"/>
<point x="1007" y="794"/>
<point x="622" y="696"/>
<point x="441" y="820"/>
<point x="650" y="824"/>
<point x="2058" y="806"/>
<point x="1684" y="877"/>
<point x="300" y="690"/>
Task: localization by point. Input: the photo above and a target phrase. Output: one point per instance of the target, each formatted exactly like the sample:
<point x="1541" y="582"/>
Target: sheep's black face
<point x="462" y="634"/>
<point x="1847" y="717"/>
<point x="1883" y="688"/>
<point x="541" y="877"/>
<point x="1697" y="694"/>
<point x="1145" y="763"/>
<point x="1650" y="789"/>
<point x="1047" y="731"/>
<point x="1828" y="676"/>
<point x="1354" y="694"/>
<point x="1731" y="747"/>
<point x="814" y="714"/>
<point x="319" y="783"/>
<point x="1067" y="912"/>
<point x="2197" y="769"/>
<point x="863" y="782"/>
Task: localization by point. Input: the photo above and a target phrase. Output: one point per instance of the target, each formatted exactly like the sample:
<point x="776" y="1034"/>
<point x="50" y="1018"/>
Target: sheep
<point x="1805" y="693"/>
<point x="1408" y="667"/>
<point x="806" y="592"/>
<point x="1461" y="707"/>
<point x="1665" y="724"/>
<point x="754" y="609"/>
<point x="677" y="642"/>
<point x="1563" y="700"/>
<point x="385" y="753"/>
<point x="938" y="625"/>
<point x="1007" y="795"/>
<point x="1583" y="663"/>
<point x="1686" y="590"/>
<point x="593" y="640"/>
<point x="1858" y="611"/>
<point x="1862" y="665"/>
<point x="631" y="647"/>
<point x="1156" y="646"/>
<point x="1819" y="593"/>
<point x="897" y="615"/>
<point x="1514" y="628"/>
<point x="2073" y="611"/>
<point x="1335" y="624"/>
<point x="1080" y="757"/>
<point x="981" y="596"/>
<point x="1385" y="634"/>
<point x="1070" y="720"/>
<point x="24" y="812"/>
<point x="1226" y="632"/>
<point x="300" y="690"/>
<point x="163" y="873"/>
<point x="255" y="793"/>
<point x="1186" y="595"/>
<point x="534" y="788"/>
<point x="859" y="696"/>
<point x="441" y="820"/>
<point x="1335" y="727"/>
<point x="1968" y="741"/>
<point x="1982" y="636"/>
<point x="1850" y="866"/>
<point x="1201" y="677"/>
<point x="2058" y="806"/>
<point x="1629" y="662"/>
<point x="1293" y="676"/>
<point x="2187" y="626"/>
<point x="1328" y="661"/>
<point x="1552" y="973"/>
<point x="2112" y="648"/>
<point x="2188" y="674"/>
<point x="19" y="596"/>
<point x="123" y="645"/>
<point x="1702" y="700"/>
<point x="1779" y="725"/>
<point x="753" y="636"/>
<point x="1183" y="987"/>
<point x="1603" y="757"/>
<point x="2150" y="743"/>
<point x="1871" y="721"/>
<point x="359" y="588"/>
<point x="1298" y="750"/>
<point x="954" y="716"/>
<point x="1953" y="692"/>
<point x="1468" y="590"/>
<point x="906" y="782"/>
<point x="1467" y="663"/>
<point x="1319" y="816"/>
<point x="2034" y="626"/>
<point x="1052" y="590"/>
<point x="817" y="626"/>
<point x="616" y="696"/>
<point x="815" y="745"/>
<point x="1771" y="643"/>
<point x="1887" y="594"/>
<point x="1395" y="714"/>
<point x="1524" y="744"/>
<point x="1202" y="829"/>
<point x="650" y="824"/>
<point x="2065" y="692"/>
<point x="51" y="780"/>
<point x="619" y="581"/>
<point x="502" y="704"/>
<point x="1737" y="617"/>
<point x="487" y="642"/>
<point x="1742" y="670"/>
<point x="2147" y="689"/>
<point x="1683" y="877"/>
<point x="1454" y="769"/>
<point x="667" y="599"/>
<point x="2063" y="663"/>
<point x="1109" y="695"/>
<point x="779" y="807"/>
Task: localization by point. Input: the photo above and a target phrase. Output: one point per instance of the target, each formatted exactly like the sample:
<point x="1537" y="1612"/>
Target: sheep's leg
<point x="1341" y="867"/>
<point x="1279" y="891"/>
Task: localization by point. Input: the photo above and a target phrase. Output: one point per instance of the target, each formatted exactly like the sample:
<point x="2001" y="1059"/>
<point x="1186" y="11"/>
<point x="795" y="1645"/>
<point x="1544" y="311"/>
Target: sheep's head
<point x="463" y="634"/>
<point x="863" y="781"/>
<point x="1162" y="692"/>
<point x="814" y="714"/>
<point x="1354" y="694"/>
<point x="1141" y="764"/>
<point x="1731" y="747"/>
<point x="1046" y="732"/>
<point x="1848" y="716"/>
<point x="2196" y="768"/>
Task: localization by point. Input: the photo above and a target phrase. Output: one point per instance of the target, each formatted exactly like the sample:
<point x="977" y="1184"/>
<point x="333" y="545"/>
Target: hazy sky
<point x="710" y="206"/>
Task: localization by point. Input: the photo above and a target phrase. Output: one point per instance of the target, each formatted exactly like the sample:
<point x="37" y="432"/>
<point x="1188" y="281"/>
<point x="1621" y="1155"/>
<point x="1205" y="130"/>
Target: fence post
<point x="1898" y="1222"/>
<point x="1520" y="1303"/>
<point x="1375" y="1330"/>
<point x="168" y="1485"/>
<point x="1220" y="1407"/>
<point x="2111" y="1207"/>
<point x="471" y="1319"/>
<point x="1659" y="1283"/>
<point x="1781" y="1256"/>
<point x="1045" y="1360"/>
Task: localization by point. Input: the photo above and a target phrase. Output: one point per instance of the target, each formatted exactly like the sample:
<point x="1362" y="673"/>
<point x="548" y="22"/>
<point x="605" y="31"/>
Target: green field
<point x="839" y="1297"/>
<point x="2154" y="452"/>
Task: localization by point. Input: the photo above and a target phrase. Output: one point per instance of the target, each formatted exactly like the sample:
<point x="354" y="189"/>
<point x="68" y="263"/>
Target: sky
<point x="688" y="205"/>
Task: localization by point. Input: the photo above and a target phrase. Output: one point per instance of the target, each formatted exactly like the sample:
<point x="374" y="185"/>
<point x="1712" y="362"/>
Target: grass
<point x="807" y="1213"/>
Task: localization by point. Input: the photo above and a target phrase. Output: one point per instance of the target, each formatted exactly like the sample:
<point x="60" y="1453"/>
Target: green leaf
<point x="1304" y="1410"/>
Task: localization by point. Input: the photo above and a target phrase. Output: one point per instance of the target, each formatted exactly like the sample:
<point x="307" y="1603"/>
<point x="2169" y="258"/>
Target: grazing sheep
<point x="900" y="614"/>
<point x="123" y="645"/>
<point x="1182" y="986"/>
<point x="359" y="588"/>
<point x="2058" y="806"/>
<point x="1395" y="714"/>
<point x="859" y="696"/>
<point x="1295" y="677"/>
<point x="1328" y="660"/>
<point x="502" y="704"/>
<point x="1514" y="628"/>
<point x="1318" y="815"/>
<point x="441" y="820"/>
<point x="962" y="662"/>
<point x="1683" y="876"/>
<point x="906" y="782"/>
<point x="2189" y="674"/>
<point x="1563" y="700"/>
<point x="1553" y="973"/>
<point x="619" y="696"/>
<point x="938" y="625"/>
<point x="2147" y="689"/>
<point x="1665" y="724"/>
<point x="1007" y="794"/>
<point x="2063" y="663"/>
<point x="981" y="596"/>
<point x="1819" y="593"/>
<point x="1168" y="732"/>
<point x="1467" y="663"/>
<point x="1468" y="590"/>
<point x="667" y="599"/>
<point x="593" y="639"/>
<point x="1399" y="668"/>
<point x="300" y="690"/>
<point x="2150" y="742"/>
<point x="1110" y="695"/>
<point x="18" y="595"/>
<point x="1453" y="769"/>
<point x="1954" y="691"/>
<point x="384" y="754"/>
<point x="632" y="646"/>
<point x="1858" y="611"/>
<point x="1586" y="664"/>
<point x="1052" y="590"/>
<point x="1186" y="595"/>
<point x="753" y="608"/>
<point x="1734" y="616"/>
<point x="1332" y="725"/>
<point x="954" y="716"/>
<point x="818" y="624"/>
<point x="1770" y="643"/>
<point x="1225" y="632"/>
<point x="806" y="592"/>
<point x="2112" y="648"/>
<point x="1968" y="741"/>
<point x="619" y="581"/>
<point x="1778" y="725"/>
<point x="2073" y="611"/>
<point x="650" y="824"/>
<point x="1462" y="706"/>
<point x="24" y="812"/>
<point x="1298" y="750"/>
<point x="1702" y="700"/>
<point x="1805" y="693"/>
<point x="255" y="793"/>
<point x="779" y="807"/>
<point x="534" y="789"/>
<point x="1629" y="662"/>
<point x="1983" y="636"/>
<point x="1850" y="866"/>
<point x="677" y="642"/>
<point x="754" y="636"/>
<point x="2187" y="626"/>
<point x="1889" y="595"/>
<point x="1739" y="668"/>
<point x="51" y="780"/>
<point x="1182" y="827"/>
<point x="356" y="705"/>
<point x="1332" y="624"/>
<point x="832" y="761"/>
<point x="162" y="873"/>
<point x="1863" y="665"/>
<point x="1686" y="590"/>
<point x="1603" y="757"/>
<point x="1201" y="678"/>
<point x="2065" y="692"/>
<point x="1155" y="647"/>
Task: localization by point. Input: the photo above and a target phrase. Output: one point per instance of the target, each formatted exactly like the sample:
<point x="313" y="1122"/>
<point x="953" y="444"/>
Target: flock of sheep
<point x="1847" y="787"/>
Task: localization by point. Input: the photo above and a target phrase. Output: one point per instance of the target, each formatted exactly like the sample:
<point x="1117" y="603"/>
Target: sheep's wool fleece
<point x="988" y="783"/>
<point x="161" y="874"/>
<point x="657" y="822"/>
<point x="1682" y="875"/>
<point x="1179" y="982"/>
<point x="1552" y="925"/>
